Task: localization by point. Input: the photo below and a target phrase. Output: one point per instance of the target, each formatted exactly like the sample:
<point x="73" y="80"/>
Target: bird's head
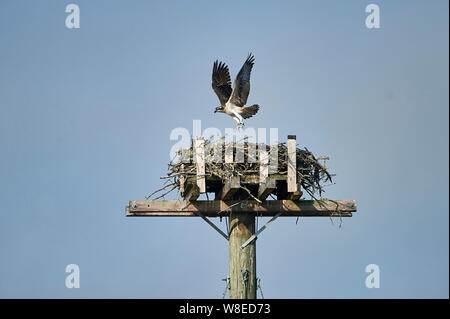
<point x="219" y="109"/>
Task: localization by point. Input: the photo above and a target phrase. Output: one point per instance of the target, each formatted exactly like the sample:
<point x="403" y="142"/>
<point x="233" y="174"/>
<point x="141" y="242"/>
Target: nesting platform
<point x="240" y="187"/>
<point x="244" y="192"/>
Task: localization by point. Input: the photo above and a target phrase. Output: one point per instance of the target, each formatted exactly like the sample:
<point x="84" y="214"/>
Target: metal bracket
<point x="212" y="225"/>
<point x="253" y="237"/>
<point x="244" y="273"/>
<point x="227" y="286"/>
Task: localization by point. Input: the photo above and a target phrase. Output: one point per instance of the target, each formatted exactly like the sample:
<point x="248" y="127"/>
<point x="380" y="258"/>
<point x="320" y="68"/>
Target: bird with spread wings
<point x="232" y="101"/>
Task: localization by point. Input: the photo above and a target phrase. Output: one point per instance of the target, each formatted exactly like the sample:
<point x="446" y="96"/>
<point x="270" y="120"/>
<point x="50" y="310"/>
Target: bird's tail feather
<point x="249" y="111"/>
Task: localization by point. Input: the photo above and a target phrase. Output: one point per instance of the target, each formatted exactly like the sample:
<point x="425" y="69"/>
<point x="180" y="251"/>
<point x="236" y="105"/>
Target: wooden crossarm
<point x="217" y="208"/>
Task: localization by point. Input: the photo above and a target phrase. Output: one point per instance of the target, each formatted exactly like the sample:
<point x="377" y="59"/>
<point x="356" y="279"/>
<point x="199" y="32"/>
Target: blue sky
<point x="86" y="116"/>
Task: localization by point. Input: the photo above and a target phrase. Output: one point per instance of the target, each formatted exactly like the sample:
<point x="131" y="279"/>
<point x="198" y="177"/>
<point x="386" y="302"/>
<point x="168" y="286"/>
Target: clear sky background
<point x="86" y="114"/>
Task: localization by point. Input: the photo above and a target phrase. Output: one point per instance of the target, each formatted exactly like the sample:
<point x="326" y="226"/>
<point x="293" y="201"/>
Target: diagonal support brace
<point x="259" y="231"/>
<point x="212" y="225"/>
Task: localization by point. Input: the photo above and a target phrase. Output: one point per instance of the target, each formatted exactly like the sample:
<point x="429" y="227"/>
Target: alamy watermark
<point x="373" y="19"/>
<point x="373" y="279"/>
<point x="220" y="146"/>
<point x="73" y="278"/>
<point x="73" y="19"/>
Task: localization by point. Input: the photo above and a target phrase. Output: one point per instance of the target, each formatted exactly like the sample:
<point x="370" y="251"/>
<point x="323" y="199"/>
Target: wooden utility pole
<point x="230" y="202"/>
<point x="242" y="261"/>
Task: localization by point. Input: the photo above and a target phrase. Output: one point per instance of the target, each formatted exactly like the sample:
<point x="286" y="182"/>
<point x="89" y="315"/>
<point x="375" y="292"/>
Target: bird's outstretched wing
<point x="221" y="82"/>
<point x="241" y="87"/>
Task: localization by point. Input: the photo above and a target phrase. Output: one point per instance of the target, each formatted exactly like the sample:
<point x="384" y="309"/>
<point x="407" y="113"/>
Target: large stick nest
<point x="310" y="172"/>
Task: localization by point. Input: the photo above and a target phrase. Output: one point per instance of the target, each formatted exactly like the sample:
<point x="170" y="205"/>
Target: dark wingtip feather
<point x="250" y="59"/>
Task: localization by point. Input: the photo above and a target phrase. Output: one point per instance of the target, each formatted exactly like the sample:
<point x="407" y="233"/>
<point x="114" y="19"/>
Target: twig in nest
<point x="161" y="196"/>
<point x="250" y="193"/>
<point x="161" y="189"/>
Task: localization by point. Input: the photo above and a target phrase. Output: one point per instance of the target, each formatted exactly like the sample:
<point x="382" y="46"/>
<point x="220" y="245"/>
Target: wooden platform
<point x="243" y="193"/>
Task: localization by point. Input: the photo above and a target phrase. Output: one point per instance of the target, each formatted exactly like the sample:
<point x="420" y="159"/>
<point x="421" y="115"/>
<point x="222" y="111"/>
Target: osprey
<point x="232" y="101"/>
